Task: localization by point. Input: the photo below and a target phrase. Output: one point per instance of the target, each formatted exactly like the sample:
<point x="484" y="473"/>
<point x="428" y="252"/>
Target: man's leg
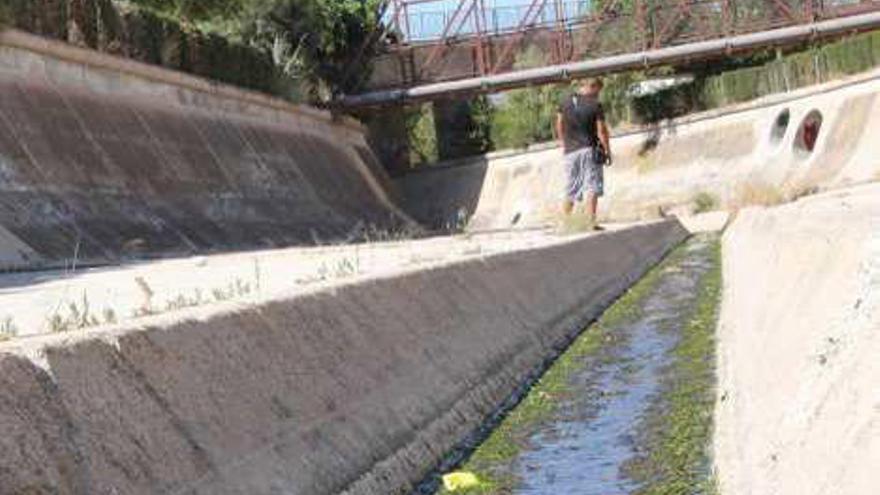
<point x="595" y="187"/>
<point x="573" y="181"/>
<point x="592" y="206"/>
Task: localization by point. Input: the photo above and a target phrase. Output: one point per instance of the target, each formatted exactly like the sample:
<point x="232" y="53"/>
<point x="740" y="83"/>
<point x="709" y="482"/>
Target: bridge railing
<point x="426" y="21"/>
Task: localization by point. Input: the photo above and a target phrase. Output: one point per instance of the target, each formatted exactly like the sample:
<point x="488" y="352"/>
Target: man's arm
<point x="604" y="138"/>
<point x="560" y="130"/>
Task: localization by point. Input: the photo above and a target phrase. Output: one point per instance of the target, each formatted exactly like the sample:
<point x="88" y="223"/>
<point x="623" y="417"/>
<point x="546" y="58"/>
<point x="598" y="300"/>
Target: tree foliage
<point x="319" y="40"/>
<point x="5" y="15"/>
<point x="194" y="10"/>
<point x="316" y="42"/>
<point x="525" y="116"/>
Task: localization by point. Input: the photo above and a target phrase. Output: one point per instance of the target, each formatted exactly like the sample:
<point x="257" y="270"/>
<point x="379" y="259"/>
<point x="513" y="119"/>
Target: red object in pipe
<point x="810" y="134"/>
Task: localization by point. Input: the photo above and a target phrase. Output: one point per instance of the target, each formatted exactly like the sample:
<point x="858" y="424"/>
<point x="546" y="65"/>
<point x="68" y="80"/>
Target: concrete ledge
<point x="119" y="65"/>
<point x="356" y="390"/>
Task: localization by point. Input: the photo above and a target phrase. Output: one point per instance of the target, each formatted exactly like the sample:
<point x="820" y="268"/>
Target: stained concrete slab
<point x="106" y="160"/>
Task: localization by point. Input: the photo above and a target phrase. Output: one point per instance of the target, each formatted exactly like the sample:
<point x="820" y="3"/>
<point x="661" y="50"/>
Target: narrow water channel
<point x="609" y="421"/>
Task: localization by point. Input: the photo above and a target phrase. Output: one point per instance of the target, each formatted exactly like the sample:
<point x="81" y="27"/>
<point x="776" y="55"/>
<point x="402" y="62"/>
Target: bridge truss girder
<point x="469" y="45"/>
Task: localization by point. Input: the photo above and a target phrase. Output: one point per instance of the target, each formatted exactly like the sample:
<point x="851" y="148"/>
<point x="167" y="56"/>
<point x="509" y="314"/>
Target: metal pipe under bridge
<point x="636" y="60"/>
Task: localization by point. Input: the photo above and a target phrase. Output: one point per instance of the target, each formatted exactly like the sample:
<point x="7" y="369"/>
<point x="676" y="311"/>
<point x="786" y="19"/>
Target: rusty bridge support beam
<point x="620" y="63"/>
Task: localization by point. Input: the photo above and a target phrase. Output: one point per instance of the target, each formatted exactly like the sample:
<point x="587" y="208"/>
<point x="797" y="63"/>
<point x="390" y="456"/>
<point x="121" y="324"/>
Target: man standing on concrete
<point x="584" y="136"/>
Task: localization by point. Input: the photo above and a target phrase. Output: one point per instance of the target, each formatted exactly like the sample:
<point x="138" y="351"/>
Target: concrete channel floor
<point x="37" y="303"/>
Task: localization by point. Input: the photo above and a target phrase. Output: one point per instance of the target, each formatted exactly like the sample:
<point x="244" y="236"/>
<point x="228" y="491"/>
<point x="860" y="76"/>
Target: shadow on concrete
<point x="654" y="135"/>
<point x="443" y="198"/>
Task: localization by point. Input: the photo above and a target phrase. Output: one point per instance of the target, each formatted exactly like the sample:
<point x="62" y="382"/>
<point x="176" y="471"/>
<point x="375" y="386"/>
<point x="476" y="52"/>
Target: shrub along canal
<point x="627" y="409"/>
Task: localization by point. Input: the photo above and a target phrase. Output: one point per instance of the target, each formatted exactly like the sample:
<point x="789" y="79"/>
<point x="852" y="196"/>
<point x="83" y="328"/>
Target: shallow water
<point x="582" y="451"/>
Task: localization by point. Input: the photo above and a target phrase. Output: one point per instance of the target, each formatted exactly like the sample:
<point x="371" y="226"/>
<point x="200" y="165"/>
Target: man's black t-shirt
<point x="580" y="116"/>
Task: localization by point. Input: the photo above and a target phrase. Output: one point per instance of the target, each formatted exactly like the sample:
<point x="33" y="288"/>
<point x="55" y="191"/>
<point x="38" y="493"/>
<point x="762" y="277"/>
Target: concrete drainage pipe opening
<point x="808" y="133"/>
<point x="780" y="126"/>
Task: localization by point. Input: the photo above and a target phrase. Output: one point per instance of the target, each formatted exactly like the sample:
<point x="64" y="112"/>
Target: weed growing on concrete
<point x="369" y="233"/>
<point x="147" y="293"/>
<point x="223" y="294"/>
<point x="460" y="222"/>
<point x="510" y="436"/>
<point x="258" y="276"/>
<point x="8" y="330"/>
<point x="372" y="233"/>
<point x="801" y="192"/>
<point x="756" y="193"/>
<point x="237" y="288"/>
<point x="57" y="324"/>
<point x="79" y="316"/>
<point x="110" y="316"/>
<point x="182" y="301"/>
<point x="346" y="268"/>
<point x="705" y="202"/>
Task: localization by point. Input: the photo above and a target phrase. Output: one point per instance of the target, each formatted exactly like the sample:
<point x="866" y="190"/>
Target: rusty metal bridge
<point x="430" y="48"/>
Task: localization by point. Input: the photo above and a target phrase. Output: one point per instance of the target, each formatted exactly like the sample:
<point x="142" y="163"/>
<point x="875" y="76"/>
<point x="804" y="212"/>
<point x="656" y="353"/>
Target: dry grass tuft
<point x="8" y="330"/>
<point x="796" y="193"/>
<point x="756" y="193"/>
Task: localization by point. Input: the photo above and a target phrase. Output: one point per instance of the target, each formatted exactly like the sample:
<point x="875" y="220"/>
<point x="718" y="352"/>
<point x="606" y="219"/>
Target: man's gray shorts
<point x="582" y="175"/>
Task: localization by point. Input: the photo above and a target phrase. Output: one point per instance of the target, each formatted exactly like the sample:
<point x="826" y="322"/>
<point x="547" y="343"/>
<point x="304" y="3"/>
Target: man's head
<point x="591" y="86"/>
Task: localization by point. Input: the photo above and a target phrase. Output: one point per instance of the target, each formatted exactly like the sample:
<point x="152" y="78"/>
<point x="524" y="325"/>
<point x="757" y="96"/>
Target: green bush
<point x="704" y="202"/>
<point x="422" y="135"/>
<point x="46" y="17"/>
<point x="796" y="70"/>
<point x="525" y="117"/>
<point x="5" y="15"/>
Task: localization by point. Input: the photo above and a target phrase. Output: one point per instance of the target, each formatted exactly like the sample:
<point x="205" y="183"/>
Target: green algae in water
<point x="672" y="425"/>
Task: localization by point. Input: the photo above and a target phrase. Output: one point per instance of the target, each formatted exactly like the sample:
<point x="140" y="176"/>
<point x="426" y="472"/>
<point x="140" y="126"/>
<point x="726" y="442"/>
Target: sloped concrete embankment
<point x="799" y="404"/>
<point x="360" y="389"/>
<point x="103" y="158"/>
<point x="752" y="153"/>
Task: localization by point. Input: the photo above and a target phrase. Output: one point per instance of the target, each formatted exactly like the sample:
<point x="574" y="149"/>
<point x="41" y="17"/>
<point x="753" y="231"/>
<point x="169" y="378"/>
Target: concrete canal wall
<point x="799" y="407"/>
<point x="357" y="389"/>
<point x="103" y="159"/>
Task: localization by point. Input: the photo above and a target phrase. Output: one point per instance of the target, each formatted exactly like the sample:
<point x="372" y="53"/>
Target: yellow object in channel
<point x="460" y="480"/>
